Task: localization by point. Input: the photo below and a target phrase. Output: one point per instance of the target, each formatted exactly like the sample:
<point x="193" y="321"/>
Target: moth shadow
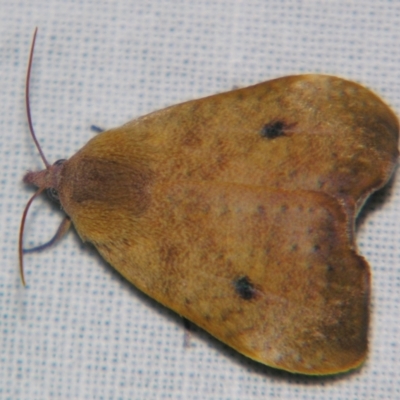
<point x="376" y="201"/>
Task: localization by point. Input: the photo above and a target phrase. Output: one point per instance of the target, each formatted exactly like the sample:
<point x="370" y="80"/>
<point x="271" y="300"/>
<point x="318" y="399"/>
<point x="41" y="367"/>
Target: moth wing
<point x="310" y="132"/>
<point x="272" y="273"/>
<point x="243" y="221"/>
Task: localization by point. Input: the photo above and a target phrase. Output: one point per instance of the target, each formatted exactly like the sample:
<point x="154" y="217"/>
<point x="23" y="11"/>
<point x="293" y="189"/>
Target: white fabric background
<point x="79" y="331"/>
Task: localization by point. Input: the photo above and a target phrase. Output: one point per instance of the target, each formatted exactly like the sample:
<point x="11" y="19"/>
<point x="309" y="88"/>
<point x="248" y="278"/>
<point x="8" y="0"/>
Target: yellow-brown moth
<point x="237" y="211"/>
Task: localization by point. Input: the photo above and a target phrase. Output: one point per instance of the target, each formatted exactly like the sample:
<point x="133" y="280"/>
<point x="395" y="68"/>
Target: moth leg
<point x="61" y="231"/>
<point x="96" y="129"/>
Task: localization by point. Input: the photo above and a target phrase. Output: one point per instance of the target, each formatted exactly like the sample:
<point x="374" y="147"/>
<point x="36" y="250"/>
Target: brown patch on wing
<point x="117" y="185"/>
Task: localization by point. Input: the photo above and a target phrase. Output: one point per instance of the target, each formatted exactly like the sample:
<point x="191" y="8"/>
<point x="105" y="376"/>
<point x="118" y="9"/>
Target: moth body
<point x="237" y="211"/>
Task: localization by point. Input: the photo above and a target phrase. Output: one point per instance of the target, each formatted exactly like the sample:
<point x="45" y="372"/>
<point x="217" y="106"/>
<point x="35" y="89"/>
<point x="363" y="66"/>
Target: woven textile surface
<point x="79" y="330"/>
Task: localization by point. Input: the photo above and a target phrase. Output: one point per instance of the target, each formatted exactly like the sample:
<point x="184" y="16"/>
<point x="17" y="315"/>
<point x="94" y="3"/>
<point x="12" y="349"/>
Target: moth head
<point x="48" y="179"/>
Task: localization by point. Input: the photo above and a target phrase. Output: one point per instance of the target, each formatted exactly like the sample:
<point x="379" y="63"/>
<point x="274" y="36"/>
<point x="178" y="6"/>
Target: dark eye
<point x="53" y="194"/>
<point x="59" y="162"/>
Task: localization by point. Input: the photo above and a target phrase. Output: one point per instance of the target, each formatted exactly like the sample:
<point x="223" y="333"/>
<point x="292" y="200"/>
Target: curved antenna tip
<point x="27" y="102"/>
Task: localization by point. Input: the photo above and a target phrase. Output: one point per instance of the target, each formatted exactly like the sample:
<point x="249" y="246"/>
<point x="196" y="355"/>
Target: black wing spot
<point x="274" y="129"/>
<point x="316" y="248"/>
<point x="244" y="288"/>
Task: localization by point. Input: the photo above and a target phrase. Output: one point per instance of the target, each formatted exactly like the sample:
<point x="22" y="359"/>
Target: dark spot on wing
<point x="244" y="288"/>
<point x="273" y="129"/>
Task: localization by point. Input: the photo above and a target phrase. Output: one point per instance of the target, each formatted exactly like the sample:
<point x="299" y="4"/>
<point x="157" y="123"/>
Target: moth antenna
<point x="28" y="107"/>
<point x="21" y="235"/>
<point x="28" y="112"/>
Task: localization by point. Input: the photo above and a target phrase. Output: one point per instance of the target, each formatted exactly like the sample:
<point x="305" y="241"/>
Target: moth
<point x="237" y="211"/>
